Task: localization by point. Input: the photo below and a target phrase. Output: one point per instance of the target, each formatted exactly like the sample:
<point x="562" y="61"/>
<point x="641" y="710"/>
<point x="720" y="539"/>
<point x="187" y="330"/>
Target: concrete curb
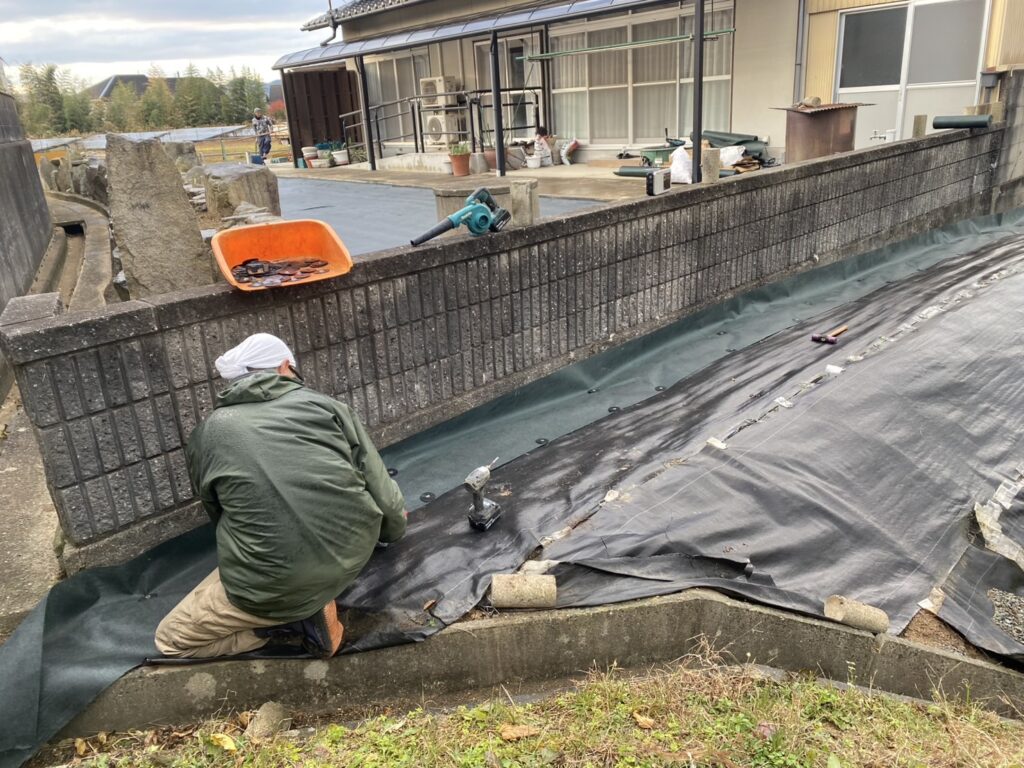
<point x="551" y="645"/>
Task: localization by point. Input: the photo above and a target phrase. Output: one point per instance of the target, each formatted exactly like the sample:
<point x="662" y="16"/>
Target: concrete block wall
<point x="412" y="337"/>
<point x="1009" y="177"/>
<point x="25" y="226"/>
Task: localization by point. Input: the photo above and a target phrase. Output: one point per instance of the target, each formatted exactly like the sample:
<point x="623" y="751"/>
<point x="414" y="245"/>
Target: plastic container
<point x="256" y="159"/>
<point x="340" y="156"/>
<point x="533" y="161"/>
<point x="281" y="241"/>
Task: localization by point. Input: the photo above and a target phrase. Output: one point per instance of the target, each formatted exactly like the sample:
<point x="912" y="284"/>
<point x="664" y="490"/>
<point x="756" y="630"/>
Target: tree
<point x="123" y="110"/>
<point x="242" y="94"/>
<point x="43" y="109"/>
<point x="157" y="105"/>
<point x="98" y="115"/>
<point x="276" y="110"/>
<point x="77" y="112"/>
<point x="187" y="97"/>
<point x="209" y="102"/>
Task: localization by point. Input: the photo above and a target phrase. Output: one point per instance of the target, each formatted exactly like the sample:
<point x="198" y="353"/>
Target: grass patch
<point x="681" y="715"/>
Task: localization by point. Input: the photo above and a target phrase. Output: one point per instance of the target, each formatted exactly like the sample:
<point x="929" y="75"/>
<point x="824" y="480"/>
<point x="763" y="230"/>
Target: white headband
<point x="258" y="352"/>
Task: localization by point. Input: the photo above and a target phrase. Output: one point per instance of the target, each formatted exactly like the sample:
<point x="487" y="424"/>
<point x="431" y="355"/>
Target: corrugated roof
<point x="514" y="19"/>
<point x="352" y="9"/>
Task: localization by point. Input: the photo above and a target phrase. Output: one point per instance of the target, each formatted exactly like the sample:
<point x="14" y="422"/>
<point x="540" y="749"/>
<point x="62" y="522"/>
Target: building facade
<point x="619" y="73"/>
<point x="907" y="58"/>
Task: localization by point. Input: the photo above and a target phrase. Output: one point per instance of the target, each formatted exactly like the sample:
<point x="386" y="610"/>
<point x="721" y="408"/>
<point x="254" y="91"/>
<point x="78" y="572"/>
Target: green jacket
<point x="297" y="490"/>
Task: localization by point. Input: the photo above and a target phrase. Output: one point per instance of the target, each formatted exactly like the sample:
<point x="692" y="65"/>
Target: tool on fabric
<point x="831" y="337"/>
<point x="484" y="512"/>
<point x="481" y="214"/>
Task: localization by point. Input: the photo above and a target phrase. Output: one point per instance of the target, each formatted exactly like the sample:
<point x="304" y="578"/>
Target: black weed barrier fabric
<point x="781" y="474"/>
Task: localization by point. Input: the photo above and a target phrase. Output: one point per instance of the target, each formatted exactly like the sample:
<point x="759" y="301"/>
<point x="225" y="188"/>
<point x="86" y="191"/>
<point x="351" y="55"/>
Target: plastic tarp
<point x="782" y="473"/>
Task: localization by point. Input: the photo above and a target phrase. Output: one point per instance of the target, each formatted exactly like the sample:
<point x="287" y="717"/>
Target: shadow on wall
<point x="25" y="226"/>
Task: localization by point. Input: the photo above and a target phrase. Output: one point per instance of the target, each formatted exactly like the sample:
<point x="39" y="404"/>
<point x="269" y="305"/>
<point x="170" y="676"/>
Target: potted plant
<point x="339" y="152"/>
<point x="490" y="155"/>
<point x="459" y="155"/>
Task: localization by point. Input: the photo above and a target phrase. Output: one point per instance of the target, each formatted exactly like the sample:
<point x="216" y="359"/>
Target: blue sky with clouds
<point x="105" y="37"/>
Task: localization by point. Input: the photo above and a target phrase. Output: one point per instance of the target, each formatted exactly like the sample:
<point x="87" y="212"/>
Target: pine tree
<point x="187" y="97"/>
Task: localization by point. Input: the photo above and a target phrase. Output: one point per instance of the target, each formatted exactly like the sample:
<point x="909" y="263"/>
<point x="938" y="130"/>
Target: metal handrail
<point x="471" y="100"/>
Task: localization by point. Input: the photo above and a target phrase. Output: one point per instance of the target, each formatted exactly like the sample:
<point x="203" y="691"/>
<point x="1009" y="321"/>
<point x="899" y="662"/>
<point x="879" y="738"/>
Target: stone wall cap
<point x="24" y="309"/>
<point x="74" y="331"/>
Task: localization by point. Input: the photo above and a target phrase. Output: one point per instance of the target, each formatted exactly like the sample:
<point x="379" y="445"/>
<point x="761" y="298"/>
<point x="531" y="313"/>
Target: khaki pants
<point x="205" y="624"/>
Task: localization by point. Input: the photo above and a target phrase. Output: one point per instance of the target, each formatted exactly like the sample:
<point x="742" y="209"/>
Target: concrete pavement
<point x="28" y="520"/>
<point x="371" y="217"/>
<point x="574" y="181"/>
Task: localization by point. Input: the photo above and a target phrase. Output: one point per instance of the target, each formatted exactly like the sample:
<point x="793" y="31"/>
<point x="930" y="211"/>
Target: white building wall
<point x="764" y="62"/>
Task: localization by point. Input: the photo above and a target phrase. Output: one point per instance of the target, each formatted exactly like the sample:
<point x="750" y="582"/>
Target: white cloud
<point x="99" y="44"/>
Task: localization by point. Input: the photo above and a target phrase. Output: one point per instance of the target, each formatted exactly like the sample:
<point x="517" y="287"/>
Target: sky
<point x="99" y="38"/>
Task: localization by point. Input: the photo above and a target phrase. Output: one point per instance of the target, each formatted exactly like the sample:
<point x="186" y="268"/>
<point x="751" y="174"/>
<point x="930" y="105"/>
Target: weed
<point x="692" y="714"/>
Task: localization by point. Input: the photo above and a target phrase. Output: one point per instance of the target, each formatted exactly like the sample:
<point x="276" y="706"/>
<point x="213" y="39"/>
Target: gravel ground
<point x="1009" y="613"/>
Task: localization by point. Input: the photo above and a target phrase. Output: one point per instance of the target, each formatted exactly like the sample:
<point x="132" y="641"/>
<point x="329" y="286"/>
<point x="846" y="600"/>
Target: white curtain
<point x="657" y="63"/>
<point x="609" y="114"/>
<point x="654" y="112"/>
<point x="570" y="115"/>
<point x="608" y="67"/>
<point x="569" y="71"/>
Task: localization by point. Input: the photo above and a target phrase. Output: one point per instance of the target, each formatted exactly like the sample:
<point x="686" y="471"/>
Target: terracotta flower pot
<point x="460" y="165"/>
<point x="491" y="156"/>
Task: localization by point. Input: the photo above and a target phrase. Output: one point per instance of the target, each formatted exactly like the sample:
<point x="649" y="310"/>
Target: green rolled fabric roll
<point x="962" y="121"/>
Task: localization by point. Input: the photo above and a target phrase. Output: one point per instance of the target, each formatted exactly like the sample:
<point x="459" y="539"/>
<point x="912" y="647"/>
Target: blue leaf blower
<point x="481" y="214"/>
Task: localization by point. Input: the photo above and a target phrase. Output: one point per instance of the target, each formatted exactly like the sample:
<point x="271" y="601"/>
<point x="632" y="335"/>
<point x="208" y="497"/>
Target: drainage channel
<point x="75" y="233"/>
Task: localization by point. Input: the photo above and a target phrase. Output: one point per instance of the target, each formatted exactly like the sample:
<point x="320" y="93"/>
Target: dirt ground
<point x="928" y="629"/>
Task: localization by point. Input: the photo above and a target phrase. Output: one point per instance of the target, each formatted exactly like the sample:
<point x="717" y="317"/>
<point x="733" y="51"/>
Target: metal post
<point x="287" y="84"/>
<point x="416" y="137"/>
<point x="376" y="127"/>
<point x="364" y="98"/>
<point x="499" y="126"/>
<point x="698" y="85"/>
<point x="472" y="128"/>
<point x="545" y="80"/>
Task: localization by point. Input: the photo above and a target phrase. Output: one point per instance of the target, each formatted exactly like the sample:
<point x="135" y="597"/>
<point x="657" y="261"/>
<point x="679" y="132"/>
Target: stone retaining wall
<point x="415" y="336"/>
<point x="25" y="227"/>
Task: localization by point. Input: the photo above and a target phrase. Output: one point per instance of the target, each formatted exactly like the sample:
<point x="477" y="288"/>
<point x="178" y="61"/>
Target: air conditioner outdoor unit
<point x="442" y="128"/>
<point x="430" y="87"/>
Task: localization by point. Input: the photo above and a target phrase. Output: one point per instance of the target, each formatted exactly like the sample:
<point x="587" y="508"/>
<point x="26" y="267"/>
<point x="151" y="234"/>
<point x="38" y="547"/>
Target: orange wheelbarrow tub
<point x="291" y="246"/>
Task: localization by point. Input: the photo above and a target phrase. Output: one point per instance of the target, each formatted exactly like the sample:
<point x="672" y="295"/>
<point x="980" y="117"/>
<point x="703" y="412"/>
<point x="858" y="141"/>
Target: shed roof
<point x="351" y="9"/>
<point x="513" y="19"/>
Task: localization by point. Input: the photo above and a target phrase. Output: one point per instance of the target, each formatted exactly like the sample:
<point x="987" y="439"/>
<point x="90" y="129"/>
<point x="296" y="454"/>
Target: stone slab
<point x="155" y="227"/>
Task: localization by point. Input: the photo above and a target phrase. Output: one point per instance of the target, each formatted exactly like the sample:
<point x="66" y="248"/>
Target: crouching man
<point x="300" y="498"/>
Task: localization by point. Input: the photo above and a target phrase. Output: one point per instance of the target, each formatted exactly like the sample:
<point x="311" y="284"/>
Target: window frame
<point x="904" y="86"/>
<point x="629" y="20"/>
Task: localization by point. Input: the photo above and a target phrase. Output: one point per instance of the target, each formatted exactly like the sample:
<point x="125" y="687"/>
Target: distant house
<point x="105" y="88"/>
<point x="274" y="91"/>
